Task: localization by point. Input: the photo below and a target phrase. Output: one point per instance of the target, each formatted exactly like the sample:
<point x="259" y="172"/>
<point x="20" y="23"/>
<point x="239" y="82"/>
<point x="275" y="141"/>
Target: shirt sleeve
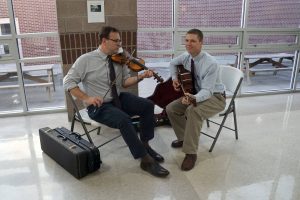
<point x="74" y="75"/>
<point x="173" y="65"/>
<point x="125" y="73"/>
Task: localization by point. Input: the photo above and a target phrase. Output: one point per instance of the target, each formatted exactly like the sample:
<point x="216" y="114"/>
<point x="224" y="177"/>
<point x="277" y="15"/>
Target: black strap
<point x="112" y="76"/>
<point x="193" y="75"/>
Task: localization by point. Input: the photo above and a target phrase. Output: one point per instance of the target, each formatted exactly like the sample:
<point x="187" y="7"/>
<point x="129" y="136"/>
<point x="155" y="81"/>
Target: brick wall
<point x="77" y="36"/>
<point x="32" y="17"/>
<point x="75" y="44"/>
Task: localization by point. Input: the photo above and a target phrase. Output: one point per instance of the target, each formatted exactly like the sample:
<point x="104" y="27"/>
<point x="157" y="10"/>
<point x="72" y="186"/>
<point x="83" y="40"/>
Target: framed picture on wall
<point x="95" y="11"/>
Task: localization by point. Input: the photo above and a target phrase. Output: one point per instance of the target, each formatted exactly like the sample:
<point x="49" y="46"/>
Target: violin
<point x="135" y="64"/>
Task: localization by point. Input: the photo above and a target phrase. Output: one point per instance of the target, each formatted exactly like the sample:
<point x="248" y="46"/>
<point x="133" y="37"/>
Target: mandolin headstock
<point x="158" y="78"/>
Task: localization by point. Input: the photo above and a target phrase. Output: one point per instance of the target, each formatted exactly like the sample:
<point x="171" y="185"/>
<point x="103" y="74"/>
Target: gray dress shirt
<point x="91" y="69"/>
<point x="207" y="80"/>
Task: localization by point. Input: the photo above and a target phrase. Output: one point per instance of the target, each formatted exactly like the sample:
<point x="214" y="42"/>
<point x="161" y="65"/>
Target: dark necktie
<point x="193" y="75"/>
<point x="112" y="76"/>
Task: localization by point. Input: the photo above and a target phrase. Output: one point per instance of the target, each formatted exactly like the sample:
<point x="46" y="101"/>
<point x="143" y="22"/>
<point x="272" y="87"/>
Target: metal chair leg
<point x="98" y="130"/>
<point x="218" y="133"/>
<point x="235" y="123"/>
<point x="73" y="123"/>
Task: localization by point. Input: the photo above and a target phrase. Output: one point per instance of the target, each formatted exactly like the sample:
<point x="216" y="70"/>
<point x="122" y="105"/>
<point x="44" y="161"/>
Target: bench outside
<point x="27" y="85"/>
<point x="10" y="71"/>
<point x="266" y="58"/>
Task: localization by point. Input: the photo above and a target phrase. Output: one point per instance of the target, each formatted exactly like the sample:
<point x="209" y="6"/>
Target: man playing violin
<point x="94" y="70"/>
<point x="187" y="113"/>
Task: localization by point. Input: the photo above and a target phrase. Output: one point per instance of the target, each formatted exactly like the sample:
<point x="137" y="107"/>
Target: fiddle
<point x="135" y="64"/>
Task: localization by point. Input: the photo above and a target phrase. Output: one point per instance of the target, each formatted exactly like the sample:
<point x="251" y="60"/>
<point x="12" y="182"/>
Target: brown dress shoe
<point x="177" y="144"/>
<point x="188" y="162"/>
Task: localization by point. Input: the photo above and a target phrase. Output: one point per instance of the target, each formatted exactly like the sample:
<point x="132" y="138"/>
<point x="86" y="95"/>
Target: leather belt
<point x="220" y="93"/>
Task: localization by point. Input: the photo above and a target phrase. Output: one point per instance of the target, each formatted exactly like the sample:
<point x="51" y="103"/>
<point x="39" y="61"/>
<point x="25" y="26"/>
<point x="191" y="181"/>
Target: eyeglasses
<point x="115" y="40"/>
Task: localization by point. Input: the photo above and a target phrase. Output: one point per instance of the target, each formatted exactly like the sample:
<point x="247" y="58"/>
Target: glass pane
<point x="5" y="29"/>
<point x="151" y="58"/>
<point x="154" y="13"/>
<point x="219" y="40"/>
<point x="35" y="17"/>
<point x="216" y="40"/>
<point x="10" y="99"/>
<point x="272" y="39"/>
<point x="9" y="88"/>
<point x="154" y="41"/>
<point x="147" y="86"/>
<point x="212" y="13"/>
<point x="225" y="58"/>
<point x="4" y="48"/>
<point x="274" y="13"/>
<point x="298" y="80"/>
<point x="43" y="85"/>
<point x="39" y="46"/>
<point x="158" y="62"/>
<point x="265" y="71"/>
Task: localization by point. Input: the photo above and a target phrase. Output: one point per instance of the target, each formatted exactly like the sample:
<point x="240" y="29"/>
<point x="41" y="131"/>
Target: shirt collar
<point x="101" y="54"/>
<point x="198" y="57"/>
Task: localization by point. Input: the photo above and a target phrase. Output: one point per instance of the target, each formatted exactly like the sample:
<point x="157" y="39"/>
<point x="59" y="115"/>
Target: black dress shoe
<point x="156" y="156"/>
<point x="177" y="144"/>
<point x="155" y="169"/>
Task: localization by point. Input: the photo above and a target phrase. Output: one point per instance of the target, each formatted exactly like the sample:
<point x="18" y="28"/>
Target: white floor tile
<point x="263" y="164"/>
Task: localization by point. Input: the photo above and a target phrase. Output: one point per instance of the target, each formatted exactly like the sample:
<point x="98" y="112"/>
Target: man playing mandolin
<point x="101" y="80"/>
<point x="187" y="113"/>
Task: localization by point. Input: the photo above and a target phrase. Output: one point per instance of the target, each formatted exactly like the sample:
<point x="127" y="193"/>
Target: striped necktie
<point x="112" y="76"/>
<point x="193" y="75"/>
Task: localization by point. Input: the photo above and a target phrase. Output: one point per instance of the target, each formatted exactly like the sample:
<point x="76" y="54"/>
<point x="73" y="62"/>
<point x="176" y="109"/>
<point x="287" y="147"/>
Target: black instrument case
<point x="70" y="150"/>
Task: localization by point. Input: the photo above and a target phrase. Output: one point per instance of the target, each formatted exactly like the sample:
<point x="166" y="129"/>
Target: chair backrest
<point x="231" y="77"/>
<point x="79" y="115"/>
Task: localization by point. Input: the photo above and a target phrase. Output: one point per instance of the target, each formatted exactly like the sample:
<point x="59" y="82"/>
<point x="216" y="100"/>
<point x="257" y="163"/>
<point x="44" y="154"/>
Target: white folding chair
<point x="232" y="78"/>
<point x="84" y="119"/>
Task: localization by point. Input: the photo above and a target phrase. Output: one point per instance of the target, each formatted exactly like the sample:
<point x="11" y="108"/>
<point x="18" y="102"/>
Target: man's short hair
<point x="196" y="32"/>
<point x="106" y="30"/>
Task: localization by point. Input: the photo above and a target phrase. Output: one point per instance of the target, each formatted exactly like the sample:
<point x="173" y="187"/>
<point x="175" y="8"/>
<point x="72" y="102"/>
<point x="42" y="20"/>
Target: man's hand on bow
<point x="96" y="101"/>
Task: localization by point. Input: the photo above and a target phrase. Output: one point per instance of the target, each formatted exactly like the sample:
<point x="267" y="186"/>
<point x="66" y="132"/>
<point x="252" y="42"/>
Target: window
<point x="5" y="29"/>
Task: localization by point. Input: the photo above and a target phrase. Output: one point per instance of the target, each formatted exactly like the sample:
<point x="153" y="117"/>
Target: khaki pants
<point x="187" y="120"/>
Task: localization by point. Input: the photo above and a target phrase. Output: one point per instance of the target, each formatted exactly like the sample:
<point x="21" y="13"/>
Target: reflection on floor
<point x="263" y="164"/>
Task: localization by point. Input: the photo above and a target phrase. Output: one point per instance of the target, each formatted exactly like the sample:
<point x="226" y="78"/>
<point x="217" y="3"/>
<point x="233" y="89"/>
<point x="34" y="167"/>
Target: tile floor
<point x="264" y="164"/>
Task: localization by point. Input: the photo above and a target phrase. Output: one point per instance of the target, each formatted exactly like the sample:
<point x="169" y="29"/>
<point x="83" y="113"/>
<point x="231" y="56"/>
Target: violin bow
<point x="111" y="84"/>
<point x="114" y="82"/>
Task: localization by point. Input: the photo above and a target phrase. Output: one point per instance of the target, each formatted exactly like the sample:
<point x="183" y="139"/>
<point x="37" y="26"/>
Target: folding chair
<point x="232" y="78"/>
<point x="84" y="119"/>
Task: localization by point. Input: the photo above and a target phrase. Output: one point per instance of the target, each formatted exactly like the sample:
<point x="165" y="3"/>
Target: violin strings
<point x="132" y="53"/>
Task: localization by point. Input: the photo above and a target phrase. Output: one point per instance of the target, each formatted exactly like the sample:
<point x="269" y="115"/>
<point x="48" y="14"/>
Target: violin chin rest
<point x="120" y="50"/>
